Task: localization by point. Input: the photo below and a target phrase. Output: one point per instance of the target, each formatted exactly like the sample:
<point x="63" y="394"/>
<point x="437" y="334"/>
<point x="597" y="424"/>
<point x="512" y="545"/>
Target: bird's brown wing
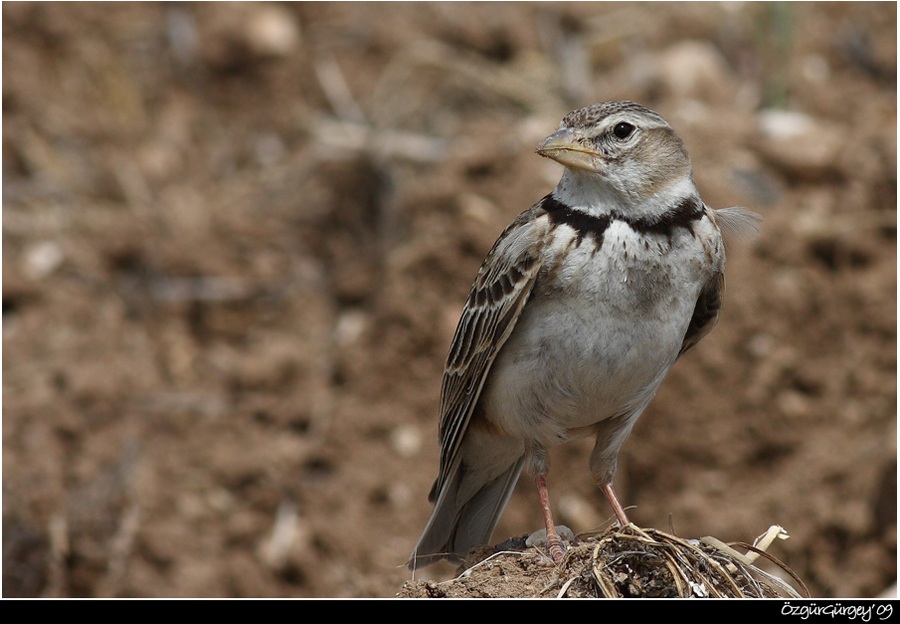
<point x="501" y="288"/>
<point x="706" y="312"/>
<point x="735" y="224"/>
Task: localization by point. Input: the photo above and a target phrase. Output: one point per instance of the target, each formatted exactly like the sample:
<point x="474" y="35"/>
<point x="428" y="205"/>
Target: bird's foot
<point x="556" y="548"/>
<point x="554" y="544"/>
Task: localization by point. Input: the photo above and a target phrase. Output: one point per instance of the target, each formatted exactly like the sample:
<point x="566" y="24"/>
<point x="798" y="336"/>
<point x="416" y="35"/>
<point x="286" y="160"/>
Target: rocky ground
<point x="237" y="238"/>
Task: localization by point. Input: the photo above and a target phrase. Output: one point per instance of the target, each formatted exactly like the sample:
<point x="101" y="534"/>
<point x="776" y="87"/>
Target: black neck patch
<point x="584" y="224"/>
<point x="688" y="210"/>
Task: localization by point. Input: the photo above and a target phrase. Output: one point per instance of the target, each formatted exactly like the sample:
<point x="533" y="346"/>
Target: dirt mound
<point x="627" y="562"/>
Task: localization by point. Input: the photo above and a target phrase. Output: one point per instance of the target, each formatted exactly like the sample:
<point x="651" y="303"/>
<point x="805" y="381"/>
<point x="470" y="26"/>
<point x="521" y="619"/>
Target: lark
<point x="577" y="314"/>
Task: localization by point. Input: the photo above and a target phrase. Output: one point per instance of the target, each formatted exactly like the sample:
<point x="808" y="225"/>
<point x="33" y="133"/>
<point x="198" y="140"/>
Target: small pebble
<point x="539" y="537"/>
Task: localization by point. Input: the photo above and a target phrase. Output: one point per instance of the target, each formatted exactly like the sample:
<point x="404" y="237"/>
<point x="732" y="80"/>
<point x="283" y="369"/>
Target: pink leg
<point x="554" y="543"/>
<point x="617" y="507"/>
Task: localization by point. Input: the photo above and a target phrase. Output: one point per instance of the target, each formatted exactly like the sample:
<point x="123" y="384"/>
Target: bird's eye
<point x="623" y="130"/>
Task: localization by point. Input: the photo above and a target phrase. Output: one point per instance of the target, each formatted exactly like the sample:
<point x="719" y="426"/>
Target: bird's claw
<point x="556" y="548"/>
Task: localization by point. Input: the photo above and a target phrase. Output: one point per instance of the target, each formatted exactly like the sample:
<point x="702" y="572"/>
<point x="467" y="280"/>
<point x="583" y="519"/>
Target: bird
<point x="575" y="317"/>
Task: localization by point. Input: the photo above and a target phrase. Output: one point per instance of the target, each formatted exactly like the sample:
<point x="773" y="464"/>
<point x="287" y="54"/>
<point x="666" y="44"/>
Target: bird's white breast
<point x="600" y="331"/>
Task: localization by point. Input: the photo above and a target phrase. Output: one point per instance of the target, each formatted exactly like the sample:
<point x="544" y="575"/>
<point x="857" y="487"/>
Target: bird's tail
<point x="456" y="526"/>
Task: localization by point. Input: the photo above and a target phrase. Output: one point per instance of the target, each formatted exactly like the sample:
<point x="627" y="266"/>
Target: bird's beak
<point x="562" y="147"/>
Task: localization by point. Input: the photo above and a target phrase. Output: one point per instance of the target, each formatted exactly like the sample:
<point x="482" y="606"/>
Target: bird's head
<point x="619" y="149"/>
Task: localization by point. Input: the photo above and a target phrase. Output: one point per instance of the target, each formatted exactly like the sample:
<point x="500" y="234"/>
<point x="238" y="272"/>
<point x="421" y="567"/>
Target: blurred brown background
<point x="237" y="238"/>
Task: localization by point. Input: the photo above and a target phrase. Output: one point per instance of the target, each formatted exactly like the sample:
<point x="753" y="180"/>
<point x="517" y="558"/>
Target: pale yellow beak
<point x="562" y="147"/>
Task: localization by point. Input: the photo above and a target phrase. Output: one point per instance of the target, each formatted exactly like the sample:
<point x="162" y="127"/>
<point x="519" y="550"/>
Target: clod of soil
<point x="621" y="562"/>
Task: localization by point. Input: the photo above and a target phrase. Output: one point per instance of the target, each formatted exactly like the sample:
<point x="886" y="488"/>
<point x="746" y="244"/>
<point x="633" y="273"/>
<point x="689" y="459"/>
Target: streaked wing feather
<point x="735" y="224"/>
<point x="706" y="312"/>
<point x="495" y="302"/>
